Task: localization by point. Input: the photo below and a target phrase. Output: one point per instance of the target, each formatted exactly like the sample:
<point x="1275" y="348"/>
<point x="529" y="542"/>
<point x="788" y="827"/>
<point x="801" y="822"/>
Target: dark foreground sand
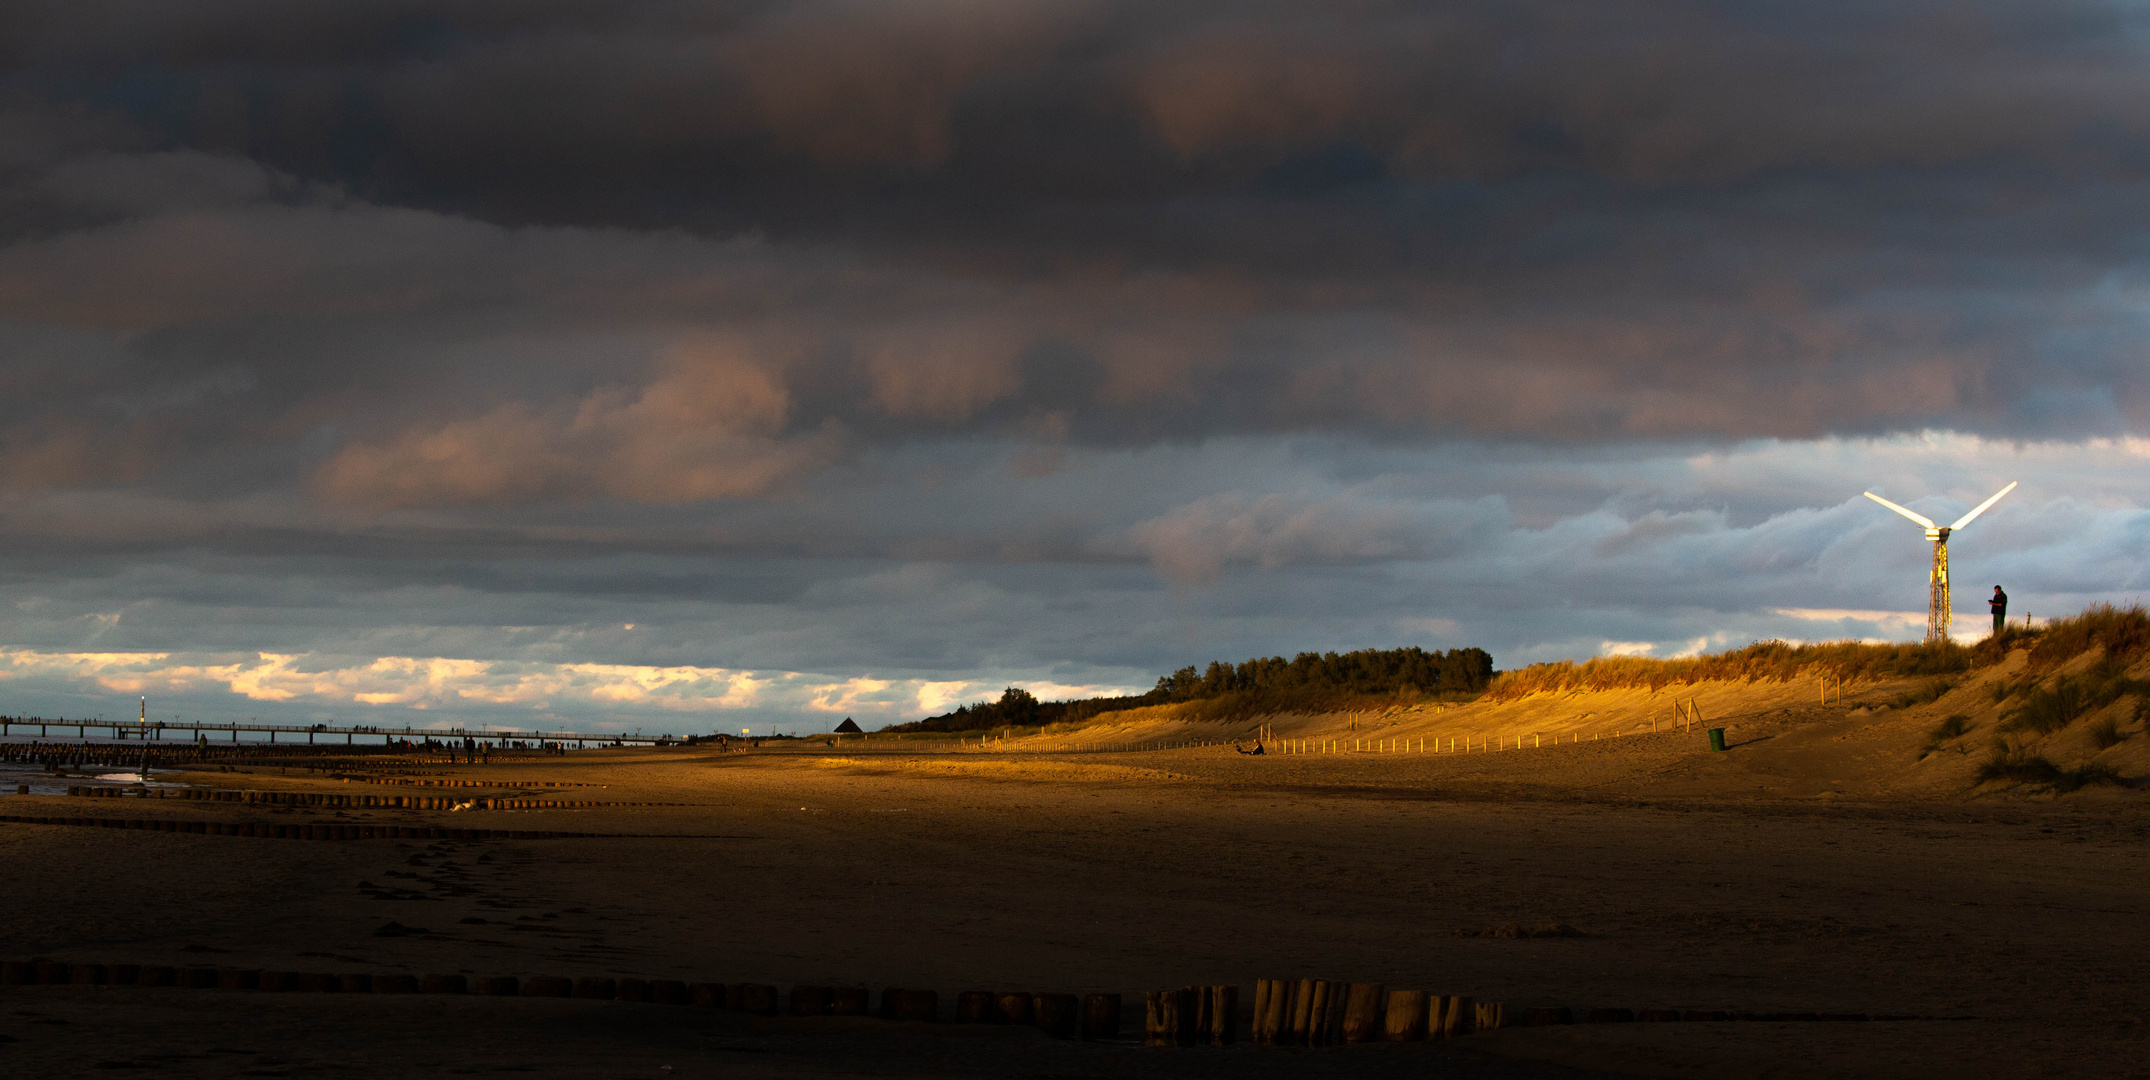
<point x="2018" y="926"/>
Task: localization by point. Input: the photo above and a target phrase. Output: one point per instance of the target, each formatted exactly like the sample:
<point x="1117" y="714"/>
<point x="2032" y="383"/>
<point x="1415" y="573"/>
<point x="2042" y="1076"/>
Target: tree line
<point x="1305" y="679"/>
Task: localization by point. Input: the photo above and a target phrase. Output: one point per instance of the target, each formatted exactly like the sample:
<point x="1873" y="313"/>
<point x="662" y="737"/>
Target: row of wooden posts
<point x="315" y="831"/>
<point x="357" y="802"/>
<point x="1464" y="744"/>
<point x="1320" y="1012"/>
<point x="1287" y="1012"/>
<point x="1312" y="1012"/>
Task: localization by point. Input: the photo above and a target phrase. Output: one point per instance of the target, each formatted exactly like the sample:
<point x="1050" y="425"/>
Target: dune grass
<point x="1775" y="661"/>
<point x="2013" y="764"/>
<point x="2016" y="766"/>
<point x="1955" y="726"/>
<point x="1240" y="706"/>
<point x="2089" y="774"/>
<point x="2122" y="633"/>
<point x="2051" y="708"/>
<point x="1931" y="692"/>
<point x="2105" y="734"/>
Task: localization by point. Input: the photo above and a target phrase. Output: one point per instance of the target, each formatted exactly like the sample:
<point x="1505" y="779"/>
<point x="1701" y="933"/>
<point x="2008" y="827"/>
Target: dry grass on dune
<point x="2123" y="634"/>
<point x="1251" y="705"/>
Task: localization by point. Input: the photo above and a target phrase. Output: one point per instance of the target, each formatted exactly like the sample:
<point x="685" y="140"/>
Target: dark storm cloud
<point x="1117" y="222"/>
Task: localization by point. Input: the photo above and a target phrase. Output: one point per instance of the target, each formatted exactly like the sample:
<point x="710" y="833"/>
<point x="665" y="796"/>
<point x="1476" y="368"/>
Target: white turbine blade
<point x="1966" y="519"/>
<point x="1920" y="518"/>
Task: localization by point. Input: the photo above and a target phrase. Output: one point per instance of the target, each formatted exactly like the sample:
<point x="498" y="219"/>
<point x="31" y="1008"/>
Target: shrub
<point x="2051" y="709"/>
<point x="1930" y="692"/>
<point x="2105" y="734"/>
<point x="2018" y="768"/>
<point x="2083" y="776"/>
<point x="1953" y="727"/>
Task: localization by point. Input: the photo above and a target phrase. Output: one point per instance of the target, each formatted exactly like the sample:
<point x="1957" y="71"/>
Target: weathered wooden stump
<point x="1658" y="1016"/>
<point x="977" y="1007"/>
<point x="121" y="974"/>
<point x="1303" y="1016"/>
<point x="706" y="995"/>
<point x="1219" y="1025"/>
<point x="1488" y="1016"/>
<point x="1273" y="1010"/>
<point x="548" y="986"/>
<point x="914" y="1006"/>
<point x="1013" y="1008"/>
<point x="1705" y="1015"/>
<point x="1406" y="1016"/>
<point x="757" y="998"/>
<point x="1101" y="1016"/>
<point x="86" y="974"/>
<point x="1162" y="1020"/>
<point x="809" y="1001"/>
<point x="596" y="988"/>
<point x="443" y="984"/>
<point x="1365" y="1010"/>
<point x="1609" y="1016"/>
<point x="498" y="986"/>
<point x="1058" y="1015"/>
<point x="1548" y="1017"/>
<point x="238" y="979"/>
<point x="1325" y="1018"/>
<point x="395" y="984"/>
<point x="849" y="1001"/>
<point x="1459" y="1016"/>
<point x="668" y="991"/>
<point x="50" y="973"/>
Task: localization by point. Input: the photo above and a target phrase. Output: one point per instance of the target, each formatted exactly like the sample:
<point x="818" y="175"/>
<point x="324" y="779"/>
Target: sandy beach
<point x="2012" y="928"/>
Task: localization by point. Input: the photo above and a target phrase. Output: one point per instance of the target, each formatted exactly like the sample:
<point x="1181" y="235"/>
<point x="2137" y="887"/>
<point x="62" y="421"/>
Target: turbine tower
<point x="1937" y="601"/>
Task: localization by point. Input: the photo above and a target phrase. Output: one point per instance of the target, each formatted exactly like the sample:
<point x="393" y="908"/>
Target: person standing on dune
<point x="1999" y="604"/>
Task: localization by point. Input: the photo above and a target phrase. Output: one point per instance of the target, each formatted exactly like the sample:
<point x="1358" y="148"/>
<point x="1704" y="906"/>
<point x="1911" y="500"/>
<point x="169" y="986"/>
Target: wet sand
<point x="2015" y="926"/>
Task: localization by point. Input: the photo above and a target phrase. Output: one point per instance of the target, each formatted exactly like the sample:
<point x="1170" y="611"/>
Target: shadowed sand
<point x="1821" y="865"/>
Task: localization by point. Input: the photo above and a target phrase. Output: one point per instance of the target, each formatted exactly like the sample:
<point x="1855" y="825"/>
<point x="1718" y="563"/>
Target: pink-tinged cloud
<point x="709" y="426"/>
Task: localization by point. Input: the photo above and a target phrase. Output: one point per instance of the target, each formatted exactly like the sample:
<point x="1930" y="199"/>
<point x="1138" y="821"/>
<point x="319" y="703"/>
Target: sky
<point x="689" y="367"/>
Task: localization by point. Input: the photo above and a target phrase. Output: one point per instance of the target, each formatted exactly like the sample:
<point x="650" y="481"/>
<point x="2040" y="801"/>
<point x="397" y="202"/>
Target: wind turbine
<point x="1937" y="602"/>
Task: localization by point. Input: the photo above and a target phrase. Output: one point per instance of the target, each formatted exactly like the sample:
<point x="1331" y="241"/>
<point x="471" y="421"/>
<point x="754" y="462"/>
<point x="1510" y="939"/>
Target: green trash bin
<point x="1717" y="739"/>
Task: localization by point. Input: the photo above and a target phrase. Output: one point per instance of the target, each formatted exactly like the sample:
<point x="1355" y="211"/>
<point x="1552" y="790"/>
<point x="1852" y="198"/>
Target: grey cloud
<point x="953" y="337"/>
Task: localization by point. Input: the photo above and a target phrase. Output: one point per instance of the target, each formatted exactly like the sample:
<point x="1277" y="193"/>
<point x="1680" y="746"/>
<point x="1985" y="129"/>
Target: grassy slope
<point x="1888" y="733"/>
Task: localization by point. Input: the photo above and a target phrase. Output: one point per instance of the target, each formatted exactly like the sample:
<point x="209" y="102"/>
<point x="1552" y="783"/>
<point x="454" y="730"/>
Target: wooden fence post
<point x="1277" y="1012"/>
<point x="1302" y="1008"/>
<point x="1161" y="1020"/>
<point x="1404" y="1019"/>
<point x="1220" y="1015"/>
<point x="1460" y="1017"/>
<point x="1488" y="1016"/>
<point x="1364" y="1006"/>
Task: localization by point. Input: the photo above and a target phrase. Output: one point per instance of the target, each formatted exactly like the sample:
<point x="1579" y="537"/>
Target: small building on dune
<point x="848" y="728"/>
